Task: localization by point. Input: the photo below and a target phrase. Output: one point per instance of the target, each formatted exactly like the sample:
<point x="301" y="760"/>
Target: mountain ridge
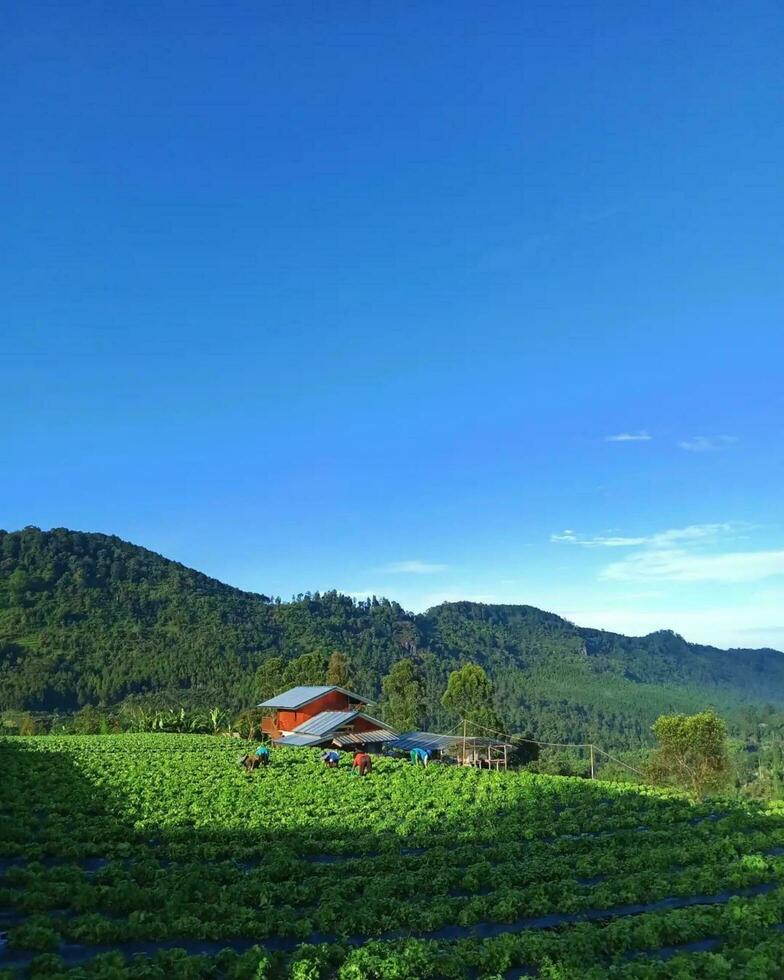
<point x="88" y="618"/>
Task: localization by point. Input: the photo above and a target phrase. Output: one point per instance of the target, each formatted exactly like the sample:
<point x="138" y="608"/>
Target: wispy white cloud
<point x="680" y="565"/>
<point x="569" y="537"/>
<point x="641" y="436"/>
<point x="413" y="568"/>
<point x="706" y="444"/>
<point x="683" y="554"/>
<point x="694" y="532"/>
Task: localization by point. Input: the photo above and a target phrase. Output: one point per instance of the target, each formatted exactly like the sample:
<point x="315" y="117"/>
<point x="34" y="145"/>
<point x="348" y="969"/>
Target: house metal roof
<point x="326" y="721"/>
<point x="364" y="738"/>
<point x="297" y="697"/>
<point x="301" y="740"/>
<point x="330" y="721"/>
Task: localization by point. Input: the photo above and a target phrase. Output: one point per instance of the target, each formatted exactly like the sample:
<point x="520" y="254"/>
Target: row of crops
<point x="157" y="856"/>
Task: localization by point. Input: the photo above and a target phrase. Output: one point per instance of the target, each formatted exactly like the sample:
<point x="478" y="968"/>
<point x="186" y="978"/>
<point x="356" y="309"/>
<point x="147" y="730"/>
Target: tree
<point x="248" y="723"/>
<point x="136" y="718"/>
<point x="28" y="724"/>
<point x="20" y="722"/>
<point x="18" y="583"/>
<point x="339" y="669"/>
<point x="307" y="669"/>
<point x="524" y="751"/>
<point x="270" y="678"/>
<point x="402" y="703"/>
<point x="692" y="753"/>
<point x="469" y="696"/>
<point x="87" y="721"/>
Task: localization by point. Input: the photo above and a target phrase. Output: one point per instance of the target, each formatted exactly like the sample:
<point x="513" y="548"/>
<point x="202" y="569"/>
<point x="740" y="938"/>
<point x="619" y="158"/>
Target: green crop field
<point x="157" y="856"/>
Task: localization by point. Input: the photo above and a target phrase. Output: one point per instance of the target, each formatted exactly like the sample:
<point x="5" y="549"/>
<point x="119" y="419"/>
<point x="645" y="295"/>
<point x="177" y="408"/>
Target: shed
<point x="466" y="750"/>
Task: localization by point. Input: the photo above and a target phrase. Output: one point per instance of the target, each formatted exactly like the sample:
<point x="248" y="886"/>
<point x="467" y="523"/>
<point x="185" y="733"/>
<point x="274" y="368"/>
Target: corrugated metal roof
<point x="326" y="721"/>
<point x="301" y="740"/>
<point x="365" y="738"/>
<point x="442" y="743"/>
<point x="329" y="721"/>
<point x="299" y="696"/>
<point x="424" y="740"/>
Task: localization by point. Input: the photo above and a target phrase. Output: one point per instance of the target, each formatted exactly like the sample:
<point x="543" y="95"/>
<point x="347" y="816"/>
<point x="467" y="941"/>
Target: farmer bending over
<point x="420" y="755"/>
<point x="330" y="758"/>
<point x="263" y="756"/>
<point x="362" y="763"/>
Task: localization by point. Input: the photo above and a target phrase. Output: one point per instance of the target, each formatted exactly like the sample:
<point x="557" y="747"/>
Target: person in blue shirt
<point x="330" y="758"/>
<point x="420" y="755"/>
<point x="263" y="755"/>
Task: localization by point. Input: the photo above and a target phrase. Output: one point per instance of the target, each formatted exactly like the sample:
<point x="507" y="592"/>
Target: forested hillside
<point x="91" y="619"/>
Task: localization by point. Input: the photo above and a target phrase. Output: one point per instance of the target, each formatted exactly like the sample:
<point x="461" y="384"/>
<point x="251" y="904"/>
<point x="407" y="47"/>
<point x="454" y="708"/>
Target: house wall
<point x="269" y="727"/>
<point x="331" y="701"/>
<point x="363" y="725"/>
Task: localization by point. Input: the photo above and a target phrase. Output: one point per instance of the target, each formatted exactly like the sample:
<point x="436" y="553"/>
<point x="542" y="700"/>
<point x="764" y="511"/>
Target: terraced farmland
<point x="156" y="856"/>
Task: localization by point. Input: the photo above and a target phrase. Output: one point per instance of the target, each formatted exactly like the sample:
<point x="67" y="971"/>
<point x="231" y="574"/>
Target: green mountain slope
<point x="89" y="618"/>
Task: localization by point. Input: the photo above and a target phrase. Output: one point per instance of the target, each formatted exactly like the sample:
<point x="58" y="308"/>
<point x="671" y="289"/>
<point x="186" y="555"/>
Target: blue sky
<point x="435" y="300"/>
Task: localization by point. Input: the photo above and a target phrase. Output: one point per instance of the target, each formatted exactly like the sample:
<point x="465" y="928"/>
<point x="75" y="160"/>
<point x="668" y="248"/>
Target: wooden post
<point x="465" y="729"/>
<point x="592" y="768"/>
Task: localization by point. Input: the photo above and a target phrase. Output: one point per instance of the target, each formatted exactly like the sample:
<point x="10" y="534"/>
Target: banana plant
<point x="217" y="718"/>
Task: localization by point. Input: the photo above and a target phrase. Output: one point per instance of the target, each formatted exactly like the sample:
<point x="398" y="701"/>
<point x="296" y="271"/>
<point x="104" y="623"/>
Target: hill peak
<point x="87" y="617"/>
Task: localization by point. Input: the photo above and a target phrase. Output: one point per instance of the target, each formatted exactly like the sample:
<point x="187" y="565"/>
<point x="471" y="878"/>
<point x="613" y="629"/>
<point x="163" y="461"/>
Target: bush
<point x="35" y="935"/>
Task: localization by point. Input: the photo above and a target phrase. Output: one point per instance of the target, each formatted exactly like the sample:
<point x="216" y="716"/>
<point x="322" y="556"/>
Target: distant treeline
<point x="91" y="620"/>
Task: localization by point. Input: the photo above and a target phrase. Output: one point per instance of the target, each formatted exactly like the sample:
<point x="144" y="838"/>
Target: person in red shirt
<point x="362" y="763"/>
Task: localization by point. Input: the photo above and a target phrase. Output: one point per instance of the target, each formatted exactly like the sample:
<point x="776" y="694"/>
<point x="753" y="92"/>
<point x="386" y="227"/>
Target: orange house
<point x="328" y="715"/>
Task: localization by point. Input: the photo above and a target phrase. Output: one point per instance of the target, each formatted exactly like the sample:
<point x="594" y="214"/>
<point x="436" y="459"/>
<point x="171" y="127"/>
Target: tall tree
<point x="87" y="721"/>
<point x="469" y="696"/>
<point x="692" y="753"/>
<point x="270" y="678"/>
<point x="339" y="669"/>
<point x="402" y="703"/>
<point x="307" y="669"/>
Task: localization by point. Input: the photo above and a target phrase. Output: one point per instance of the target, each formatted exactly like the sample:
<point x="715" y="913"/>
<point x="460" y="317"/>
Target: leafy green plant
<point x="692" y="753"/>
<point x="160" y="838"/>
